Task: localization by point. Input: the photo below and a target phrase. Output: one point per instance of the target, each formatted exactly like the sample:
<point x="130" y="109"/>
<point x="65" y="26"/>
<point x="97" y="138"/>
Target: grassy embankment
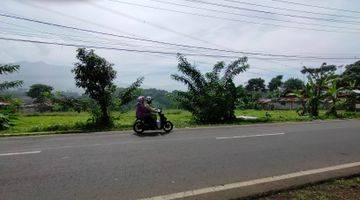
<point x="71" y="121"/>
<point x="347" y="188"/>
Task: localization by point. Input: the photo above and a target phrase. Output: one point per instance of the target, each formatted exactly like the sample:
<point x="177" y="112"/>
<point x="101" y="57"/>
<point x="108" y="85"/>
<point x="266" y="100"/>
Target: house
<point x="357" y="104"/>
<point x="290" y="102"/>
<point x="4" y="104"/>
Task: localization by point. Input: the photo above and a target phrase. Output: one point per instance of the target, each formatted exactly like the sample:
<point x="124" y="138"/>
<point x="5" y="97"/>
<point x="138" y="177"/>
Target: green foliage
<point x="128" y="94"/>
<point x="275" y="83"/>
<point x="64" y="103"/>
<point x="4" y="121"/>
<point x="74" y="122"/>
<point x="7" y="69"/>
<point x="40" y="92"/>
<point x="43" y="96"/>
<point x="256" y="85"/>
<point x="250" y="100"/>
<point x="94" y="74"/>
<point x="161" y="99"/>
<point x="317" y="83"/>
<point x="211" y="97"/>
<point x="7" y="113"/>
<point x="351" y="75"/>
<point x="332" y="93"/>
<point x="293" y="84"/>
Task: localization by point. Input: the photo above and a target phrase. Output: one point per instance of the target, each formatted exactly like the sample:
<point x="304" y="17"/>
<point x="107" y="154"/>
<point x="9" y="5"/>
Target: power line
<point x="317" y="6"/>
<point x="238" y="20"/>
<point x="28" y="3"/>
<point x="131" y="50"/>
<point x="50" y="35"/>
<point x="288" y="9"/>
<point x="113" y="48"/>
<point x="151" y="24"/>
<point x="173" y="44"/>
<point x="274" y="13"/>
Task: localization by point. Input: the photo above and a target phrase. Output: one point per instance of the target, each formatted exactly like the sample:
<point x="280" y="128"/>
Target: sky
<point x="335" y="34"/>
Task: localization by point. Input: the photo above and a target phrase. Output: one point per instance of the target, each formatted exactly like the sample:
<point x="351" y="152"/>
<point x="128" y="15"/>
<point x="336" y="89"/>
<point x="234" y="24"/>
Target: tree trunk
<point x="105" y="118"/>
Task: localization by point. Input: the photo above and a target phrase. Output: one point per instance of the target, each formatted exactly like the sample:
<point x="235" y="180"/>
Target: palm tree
<point x="210" y="97"/>
<point x="7" y="69"/>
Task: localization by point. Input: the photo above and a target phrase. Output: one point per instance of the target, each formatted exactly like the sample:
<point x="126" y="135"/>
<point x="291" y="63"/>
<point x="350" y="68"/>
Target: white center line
<point x="248" y="136"/>
<point x="19" y="153"/>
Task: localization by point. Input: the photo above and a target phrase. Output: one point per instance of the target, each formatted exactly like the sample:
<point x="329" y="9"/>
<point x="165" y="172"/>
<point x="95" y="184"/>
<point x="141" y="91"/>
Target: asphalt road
<point x="125" y="166"/>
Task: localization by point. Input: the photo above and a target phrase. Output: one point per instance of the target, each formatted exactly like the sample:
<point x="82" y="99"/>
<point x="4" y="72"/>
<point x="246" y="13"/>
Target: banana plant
<point x="332" y="94"/>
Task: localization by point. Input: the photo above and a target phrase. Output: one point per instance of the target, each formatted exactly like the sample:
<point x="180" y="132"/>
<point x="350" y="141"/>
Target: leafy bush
<point x="4" y="122"/>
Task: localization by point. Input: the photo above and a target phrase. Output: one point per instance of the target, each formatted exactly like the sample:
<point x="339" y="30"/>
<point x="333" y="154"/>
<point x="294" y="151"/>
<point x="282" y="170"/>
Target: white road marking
<point x="248" y="136"/>
<point x="20" y="153"/>
<point x="192" y="193"/>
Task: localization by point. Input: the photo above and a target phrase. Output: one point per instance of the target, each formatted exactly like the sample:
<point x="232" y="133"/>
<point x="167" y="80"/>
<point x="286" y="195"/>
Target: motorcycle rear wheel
<point x="138" y="127"/>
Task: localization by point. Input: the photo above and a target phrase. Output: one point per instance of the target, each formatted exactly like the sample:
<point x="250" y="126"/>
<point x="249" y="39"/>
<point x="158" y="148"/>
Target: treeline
<point x="211" y="97"/>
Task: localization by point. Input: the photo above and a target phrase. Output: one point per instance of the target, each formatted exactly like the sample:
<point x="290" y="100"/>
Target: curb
<point x="258" y="187"/>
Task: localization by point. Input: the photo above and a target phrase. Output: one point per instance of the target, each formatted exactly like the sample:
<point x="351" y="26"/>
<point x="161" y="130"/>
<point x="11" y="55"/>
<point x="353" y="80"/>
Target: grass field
<point x="71" y="121"/>
<point x="348" y="188"/>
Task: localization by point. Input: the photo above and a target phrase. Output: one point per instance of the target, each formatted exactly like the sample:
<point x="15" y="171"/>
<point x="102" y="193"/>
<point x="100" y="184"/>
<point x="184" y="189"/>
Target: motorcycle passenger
<point x="140" y="108"/>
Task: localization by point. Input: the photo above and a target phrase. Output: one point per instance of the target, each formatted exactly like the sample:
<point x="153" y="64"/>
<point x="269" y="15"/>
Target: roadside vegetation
<point x="211" y="98"/>
<point x="346" y="188"/>
<point x="60" y="122"/>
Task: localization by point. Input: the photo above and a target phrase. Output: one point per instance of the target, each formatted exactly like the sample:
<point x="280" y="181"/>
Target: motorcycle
<point x="142" y="125"/>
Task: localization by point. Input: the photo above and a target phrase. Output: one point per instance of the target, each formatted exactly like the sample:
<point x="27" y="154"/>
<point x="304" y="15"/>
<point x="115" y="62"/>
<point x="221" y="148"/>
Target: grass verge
<point x="71" y="122"/>
<point x="339" y="189"/>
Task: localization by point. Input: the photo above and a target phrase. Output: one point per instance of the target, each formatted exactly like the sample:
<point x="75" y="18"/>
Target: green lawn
<point x="71" y="121"/>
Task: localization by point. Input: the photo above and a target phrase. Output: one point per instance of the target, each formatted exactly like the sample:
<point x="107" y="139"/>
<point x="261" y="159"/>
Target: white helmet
<point x="148" y="99"/>
<point x="141" y="99"/>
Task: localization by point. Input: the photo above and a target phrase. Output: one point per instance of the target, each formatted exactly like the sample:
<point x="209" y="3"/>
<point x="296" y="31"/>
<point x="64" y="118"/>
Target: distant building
<point x="4" y="104"/>
<point x="290" y="102"/>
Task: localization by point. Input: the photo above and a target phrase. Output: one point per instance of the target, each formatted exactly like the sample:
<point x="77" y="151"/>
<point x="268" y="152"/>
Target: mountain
<point x="57" y="76"/>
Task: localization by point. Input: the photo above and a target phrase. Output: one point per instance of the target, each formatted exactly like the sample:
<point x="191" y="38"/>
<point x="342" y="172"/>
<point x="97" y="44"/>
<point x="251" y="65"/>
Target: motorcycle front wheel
<point x="138" y="127"/>
<point x="168" y="126"/>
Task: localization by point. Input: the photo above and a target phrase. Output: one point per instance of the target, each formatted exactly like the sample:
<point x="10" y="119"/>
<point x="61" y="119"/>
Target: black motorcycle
<point x="142" y="125"/>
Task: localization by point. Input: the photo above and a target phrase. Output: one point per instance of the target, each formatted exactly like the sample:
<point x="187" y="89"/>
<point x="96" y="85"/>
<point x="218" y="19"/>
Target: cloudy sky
<point x="260" y="26"/>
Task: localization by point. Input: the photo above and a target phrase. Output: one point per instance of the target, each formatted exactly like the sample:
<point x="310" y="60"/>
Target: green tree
<point x="293" y="84"/>
<point x="7" y="113"/>
<point x="95" y="75"/>
<point x="211" y="97"/>
<point x="256" y="85"/>
<point x="351" y="75"/>
<point x="314" y="89"/>
<point x="40" y="92"/>
<point x="7" y="69"/>
<point x="275" y="83"/>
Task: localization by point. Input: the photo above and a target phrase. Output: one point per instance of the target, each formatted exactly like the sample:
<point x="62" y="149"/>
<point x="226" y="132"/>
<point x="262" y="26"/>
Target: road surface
<point x="125" y="166"/>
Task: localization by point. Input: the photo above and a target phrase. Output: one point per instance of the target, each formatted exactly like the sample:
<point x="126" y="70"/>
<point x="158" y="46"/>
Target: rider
<point x="151" y="110"/>
<point x="144" y="110"/>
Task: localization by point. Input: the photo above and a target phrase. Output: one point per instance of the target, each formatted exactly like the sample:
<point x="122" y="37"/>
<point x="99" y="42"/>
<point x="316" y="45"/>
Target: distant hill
<point x="61" y="78"/>
<point x="57" y="76"/>
<point x="161" y="98"/>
